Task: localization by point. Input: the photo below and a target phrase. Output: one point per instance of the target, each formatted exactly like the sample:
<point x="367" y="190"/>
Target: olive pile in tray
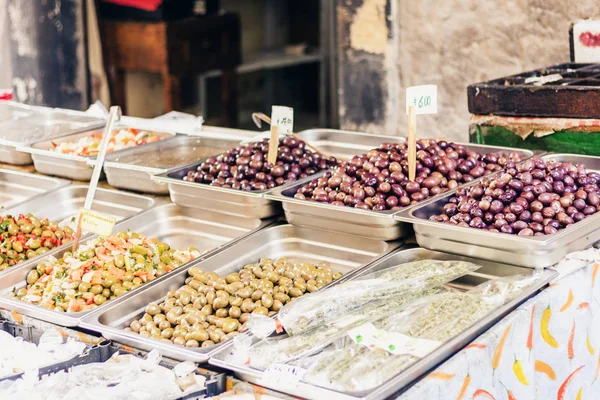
<point x="24" y="237"/>
<point x="211" y="309"/>
<point x="246" y="167"/>
<point x="536" y="198"/>
<point x="379" y="181"/>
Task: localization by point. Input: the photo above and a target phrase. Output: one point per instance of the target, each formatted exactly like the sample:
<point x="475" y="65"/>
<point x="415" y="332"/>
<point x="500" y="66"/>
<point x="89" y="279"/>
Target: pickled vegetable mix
<point x="24" y="237"/>
<point x="101" y="270"/>
<point x="121" y="139"/>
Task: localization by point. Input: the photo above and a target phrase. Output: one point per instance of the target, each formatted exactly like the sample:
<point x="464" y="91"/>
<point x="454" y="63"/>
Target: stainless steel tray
<point x="132" y="169"/>
<point x="177" y="226"/>
<point x="530" y="251"/>
<point x="21" y="125"/>
<point x="70" y="166"/>
<point x="489" y="270"/>
<point x="62" y="205"/>
<point x="17" y="187"/>
<point x="345" y="144"/>
<point x="354" y="221"/>
<point x="345" y="253"/>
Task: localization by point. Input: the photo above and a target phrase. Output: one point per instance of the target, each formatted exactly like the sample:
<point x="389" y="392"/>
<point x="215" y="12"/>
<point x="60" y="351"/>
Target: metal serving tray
<point x="175" y="225"/>
<point x="62" y="205"/>
<point x="22" y="125"/>
<point x="530" y="251"/>
<point x="345" y="253"/>
<point x="354" y="221"/>
<point x="70" y="166"/>
<point x="489" y="270"/>
<point x="17" y="187"/>
<point x="133" y="168"/>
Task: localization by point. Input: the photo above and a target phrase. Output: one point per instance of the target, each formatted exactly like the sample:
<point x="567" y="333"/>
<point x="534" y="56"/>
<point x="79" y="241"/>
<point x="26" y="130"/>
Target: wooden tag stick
<point x="258" y="117"/>
<point x="273" y="145"/>
<point x="412" y="143"/>
<point x="115" y="115"/>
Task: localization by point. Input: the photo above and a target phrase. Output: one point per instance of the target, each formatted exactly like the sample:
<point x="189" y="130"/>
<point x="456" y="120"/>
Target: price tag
<point x="283" y="119"/>
<point x="95" y="222"/>
<point x="279" y="374"/>
<point x="422" y="98"/>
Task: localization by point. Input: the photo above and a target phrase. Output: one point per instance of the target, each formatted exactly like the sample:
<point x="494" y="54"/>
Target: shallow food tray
<point x="133" y="168"/>
<point x="179" y="227"/>
<point x="70" y="166"/>
<point x="489" y="270"/>
<point x="365" y="223"/>
<point x="526" y="251"/>
<point x="345" y="253"/>
<point x="17" y="187"/>
<point x="22" y="125"/>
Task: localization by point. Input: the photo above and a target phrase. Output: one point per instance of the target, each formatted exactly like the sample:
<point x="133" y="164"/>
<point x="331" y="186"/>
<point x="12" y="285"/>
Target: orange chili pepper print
<point x="594" y="273"/>
<point x="483" y="393"/>
<point x="441" y="375"/>
<point x="546" y="369"/>
<point x="500" y="348"/>
<point x="560" y="395"/>
<point x="544" y="328"/>
<point x="597" y="368"/>
<point x="583" y="306"/>
<point x="570" y="343"/>
<point x="510" y="395"/>
<point x="568" y="302"/>
<point x="464" y="387"/>
<point x="475" y="346"/>
<point x="530" y="334"/>
<point x="590" y="348"/>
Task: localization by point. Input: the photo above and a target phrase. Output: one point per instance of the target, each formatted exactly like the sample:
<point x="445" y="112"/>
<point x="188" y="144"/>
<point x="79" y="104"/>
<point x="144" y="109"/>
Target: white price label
<point x="422" y="98"/>
<point x="279" y="374"/>
<point x="283" y="119"/>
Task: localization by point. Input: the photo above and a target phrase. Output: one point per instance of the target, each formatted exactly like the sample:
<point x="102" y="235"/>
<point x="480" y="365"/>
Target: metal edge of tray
<point x="363" y="223"/>
<point x="353" y="221"/>
<point x="71" y="166"/>
<point x="527" y="251"/>
<point x="227" y="259"/>
<point x="138" y="177"/>
<point x="228" y="201"/>
<point x="17" y="276"/>
<point x="56" y="183"/>
<point x="411" y="374"/>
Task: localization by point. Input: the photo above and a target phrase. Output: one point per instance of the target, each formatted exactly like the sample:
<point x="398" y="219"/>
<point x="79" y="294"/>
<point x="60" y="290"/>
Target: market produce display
<point x="246" y="167"/>
<point x="535" y="198"/>
<point x="122" y="377"/>
<point x="371" y="354"/>
<point x="379" y="181"/>
<point x="121" y="139"/>
<point x="324" y="307"/>
<point x="100" y="270"/>
<point x="211" y="309"/>
<point x="25" y="236"/>
<point x="18" y="356"/>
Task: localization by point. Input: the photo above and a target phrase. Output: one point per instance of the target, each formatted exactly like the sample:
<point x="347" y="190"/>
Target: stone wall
<point x="453" y="43"/>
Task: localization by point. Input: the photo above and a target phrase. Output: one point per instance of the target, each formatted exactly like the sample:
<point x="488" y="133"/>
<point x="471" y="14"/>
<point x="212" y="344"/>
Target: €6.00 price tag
<point x="422" y="98"/>
<point x="92" y="221"/>
<point x="283" y="119"/>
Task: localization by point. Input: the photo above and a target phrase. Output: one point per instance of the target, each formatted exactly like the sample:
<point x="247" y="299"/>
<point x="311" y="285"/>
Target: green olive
<point x="120" y="261"/>
<point x="106" y="292"/>
<point x="230" y="325"/>
<point x="135" y="326"/>
<point x="153" y="309"/>
<point x="13" y="229"/>
<point x="32" y="277"/>
<point x="120" y="291"/>
<point x="35" y="244"/>
<point x="99" y="299"/>
<point x="167" y="333"/>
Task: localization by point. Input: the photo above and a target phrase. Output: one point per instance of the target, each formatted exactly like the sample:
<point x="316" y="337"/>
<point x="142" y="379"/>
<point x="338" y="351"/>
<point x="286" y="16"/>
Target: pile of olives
<point x="247" y="168"/>
<point x="536" y="198"/>
<point x="24" y="237"/>
<point x="211" y="309"/>
<point x="379" y="181"/>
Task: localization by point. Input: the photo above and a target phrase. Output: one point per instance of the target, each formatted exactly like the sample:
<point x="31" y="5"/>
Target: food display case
<point x="17" y="187"/>
<point x="22" y="125"/>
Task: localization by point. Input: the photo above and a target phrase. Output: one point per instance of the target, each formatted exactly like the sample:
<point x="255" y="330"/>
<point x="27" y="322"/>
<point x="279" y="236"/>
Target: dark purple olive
<point x="549" y="230"/>
<point x="537" y="216"/>
<point x="579" y="204"/>
<point x="536" y="206"/>
<point x="519" y="225"/>
<point x="578" y="216"/>
<point x="593" y="198"/>
<point x="506" y="229"/>
<point x="525" y="216"/>
<point x="526" y="232"/>
<point x="589" y="210"/>
<point x="496" y="206"/>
